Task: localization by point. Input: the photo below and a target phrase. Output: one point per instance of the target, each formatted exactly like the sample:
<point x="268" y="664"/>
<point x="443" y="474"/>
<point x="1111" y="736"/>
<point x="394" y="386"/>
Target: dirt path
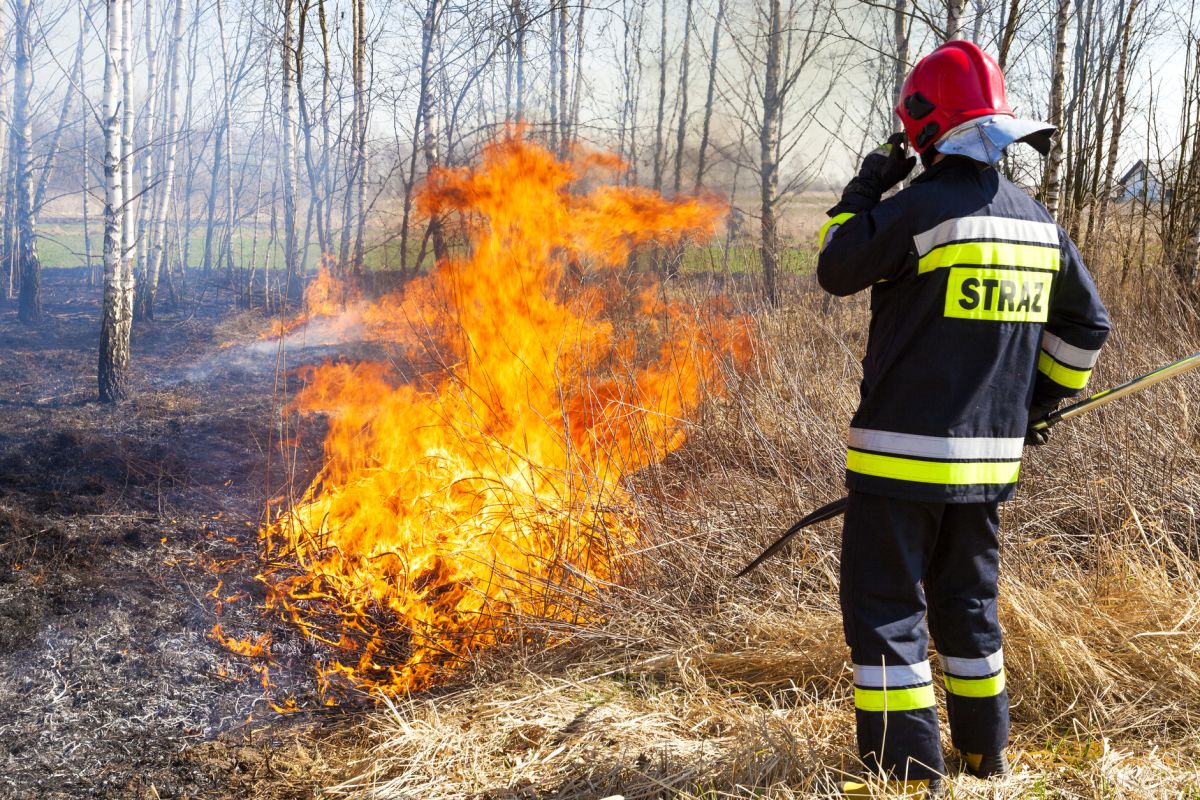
<point x="114" y="525"/>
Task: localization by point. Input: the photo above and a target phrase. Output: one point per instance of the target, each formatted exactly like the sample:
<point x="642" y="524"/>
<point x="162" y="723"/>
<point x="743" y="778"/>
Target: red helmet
<point x="953" y="84"/>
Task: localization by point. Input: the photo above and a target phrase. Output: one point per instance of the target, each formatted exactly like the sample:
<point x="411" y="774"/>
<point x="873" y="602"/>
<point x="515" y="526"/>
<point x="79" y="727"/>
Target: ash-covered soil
<point x="126" y="533"/>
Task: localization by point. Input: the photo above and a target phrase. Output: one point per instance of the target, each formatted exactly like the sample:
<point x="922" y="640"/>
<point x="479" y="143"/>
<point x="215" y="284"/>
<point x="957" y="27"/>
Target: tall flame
<point x="479" y="476"/>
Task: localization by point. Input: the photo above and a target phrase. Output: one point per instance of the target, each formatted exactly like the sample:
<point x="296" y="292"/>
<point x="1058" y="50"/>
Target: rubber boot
<point x="911" y="790"/>
<point x="987" y="765"/>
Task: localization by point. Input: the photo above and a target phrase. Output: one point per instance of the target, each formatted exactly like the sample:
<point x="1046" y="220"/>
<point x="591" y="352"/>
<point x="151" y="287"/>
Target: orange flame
<point x="260" y="647"/>
<point x="480" y="476"/>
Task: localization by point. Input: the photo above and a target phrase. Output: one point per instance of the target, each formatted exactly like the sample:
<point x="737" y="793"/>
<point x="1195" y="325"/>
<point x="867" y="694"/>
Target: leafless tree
<point x="20" y="241"/>
<point x="1051" y="180"/>
<point x="117" y="315"/>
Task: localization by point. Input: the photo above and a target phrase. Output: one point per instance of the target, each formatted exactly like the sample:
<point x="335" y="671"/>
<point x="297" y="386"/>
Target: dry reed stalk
<point x="696" y="687"/>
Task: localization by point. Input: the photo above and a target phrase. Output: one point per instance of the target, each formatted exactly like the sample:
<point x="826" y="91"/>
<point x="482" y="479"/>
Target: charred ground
<point x="116" y="524"/>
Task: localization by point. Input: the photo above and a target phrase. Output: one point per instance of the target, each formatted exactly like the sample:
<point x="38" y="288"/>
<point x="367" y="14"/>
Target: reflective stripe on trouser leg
<point x="885" y="545"/>
<point x="961" y="588"/>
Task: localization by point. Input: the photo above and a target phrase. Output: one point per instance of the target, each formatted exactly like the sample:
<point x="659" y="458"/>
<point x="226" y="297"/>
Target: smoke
<point x="312" y="341"/>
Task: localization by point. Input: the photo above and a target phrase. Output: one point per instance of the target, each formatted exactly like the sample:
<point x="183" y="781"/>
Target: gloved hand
<point x="882" y="169"/>
<point x="1037" y="410"/>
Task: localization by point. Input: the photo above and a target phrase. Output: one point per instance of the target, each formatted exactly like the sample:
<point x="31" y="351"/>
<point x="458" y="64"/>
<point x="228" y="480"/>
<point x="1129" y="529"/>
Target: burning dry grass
<point x="483" y="480"/>
<point x="696" y="686"/>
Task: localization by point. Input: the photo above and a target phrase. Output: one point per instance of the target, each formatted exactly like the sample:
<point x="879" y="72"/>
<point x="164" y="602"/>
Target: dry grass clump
<point x="696" y="686"/>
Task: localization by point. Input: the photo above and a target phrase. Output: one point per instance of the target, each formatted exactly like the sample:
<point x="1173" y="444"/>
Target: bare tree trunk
<point x="24" y="247"/>
<point x="117" y="318"/>
<point x="128" y="240"/>
<point x="706" y="125"/>
<point x="350" y="195"/>
<point x="140" y="266"/>
<point x="87" y="160"/>
<point x="564" y="138"/>
<point x="148" y="289"/>
<point x="1050" y="181"/>
<point x="1114" y="138"/>
<point x="290" y="243"/>
<point x="326" y="127"/>
<point x="429" y="116"/>
<point x="977" y="24"/>
<point x="659" y="155"/>
<point x="520" y="21"/>
<point x="681" y="131"/>
<point x="768" y="154"/>
<point x="554" y="74"/>
<point x="900" y="30"/>
<point x="954" y="11"/>
<point x="360" y="114"/>
<point x="8" y="265"/>
<point x="192" y="160"/>
<point x="1011" y="22"/>
<point x="631" y="41"/>
<point x="577" y="85"/>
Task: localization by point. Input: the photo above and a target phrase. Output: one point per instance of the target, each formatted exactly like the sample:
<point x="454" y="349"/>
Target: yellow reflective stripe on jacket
<point x="997" y="295"/>
<point x="984" y="254"/>
<point x="829" y="226"/>
<point x="921" y="471"/>
<point x="975" y="687"/>
<point x="894" y="699"/>
<point x="1062" y="374"/>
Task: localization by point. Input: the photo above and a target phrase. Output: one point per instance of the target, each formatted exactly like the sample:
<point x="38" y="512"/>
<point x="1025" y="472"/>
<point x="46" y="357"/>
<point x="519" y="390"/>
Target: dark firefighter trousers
<point x="901" y="562"/>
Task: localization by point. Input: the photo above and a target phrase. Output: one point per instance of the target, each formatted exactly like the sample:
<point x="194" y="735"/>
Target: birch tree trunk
<point x="705" y="126"/>
<point x="145" y="210"/>
<point x="768" y="153"/>
<point x="326" y="127"/>
<point x="291" y="245"/>
<point x="577" y="84"/>
<point x="147" y="290"/>
<point x="554" y="74"/>
<point x="128" y="240"/>
<point x="954" y="12"/>
<point x="564" y="136"/>
<point x="520" y="21"/>
<point x="900" y="30"/>
<point x="117" y="315"/>
<point x="8" y="267"/>
<point x="360" y="115"/>
<point x="1050" y="181"/>
<point x="86" y="155"/>
<point x="681" y="131"/>
<point x="659" y="155"/>
<point x="429" y="115"/>
<point x="24" y="246"/>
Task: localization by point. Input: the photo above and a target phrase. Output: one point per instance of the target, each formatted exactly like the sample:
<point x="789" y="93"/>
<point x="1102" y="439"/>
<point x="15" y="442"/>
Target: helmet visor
<point x="984" y="138"/>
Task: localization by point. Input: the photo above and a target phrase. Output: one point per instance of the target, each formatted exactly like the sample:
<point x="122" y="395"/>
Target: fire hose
<point x="837" y="507"/>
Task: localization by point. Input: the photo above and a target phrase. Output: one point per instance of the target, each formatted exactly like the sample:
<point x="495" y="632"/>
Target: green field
<point x="62" y="245"/>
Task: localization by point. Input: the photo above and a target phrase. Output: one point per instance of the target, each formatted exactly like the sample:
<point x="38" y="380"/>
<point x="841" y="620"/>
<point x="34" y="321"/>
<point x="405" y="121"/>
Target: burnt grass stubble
<point x="115" y="525"/>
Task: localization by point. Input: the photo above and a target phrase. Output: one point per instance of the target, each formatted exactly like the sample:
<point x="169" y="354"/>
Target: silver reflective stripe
<point x="973" y="667"/>
<point x="1068" y="354"/>
<point x="881" y="677"/>
<point x="975" y="228"/>
<point x="950" y="447"/>
<point x="829" y="236"/>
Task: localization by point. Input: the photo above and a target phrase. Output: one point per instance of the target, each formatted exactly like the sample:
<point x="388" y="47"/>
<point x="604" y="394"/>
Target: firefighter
<point x="983" y="317"/>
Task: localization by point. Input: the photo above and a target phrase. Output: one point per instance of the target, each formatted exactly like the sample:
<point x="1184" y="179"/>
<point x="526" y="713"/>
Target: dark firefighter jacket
<point x="980" y="305"/>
